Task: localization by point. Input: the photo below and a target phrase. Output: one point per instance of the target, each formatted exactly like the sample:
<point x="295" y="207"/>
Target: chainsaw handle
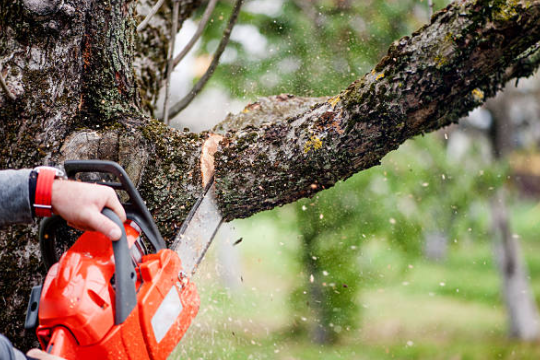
<point x="135" y="207"/>
<point x="126" y="297"/>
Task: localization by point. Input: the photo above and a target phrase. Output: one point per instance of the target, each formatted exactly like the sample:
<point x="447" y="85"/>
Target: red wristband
<point x="42" y="202"/>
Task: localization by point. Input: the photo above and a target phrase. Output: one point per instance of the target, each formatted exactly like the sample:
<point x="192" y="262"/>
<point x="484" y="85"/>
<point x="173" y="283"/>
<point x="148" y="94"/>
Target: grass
<point x="411" y="308"/>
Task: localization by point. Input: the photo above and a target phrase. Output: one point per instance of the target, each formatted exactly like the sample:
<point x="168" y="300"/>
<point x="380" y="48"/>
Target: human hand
<point x="41" y="355"/>
<point x="80" y="204"/>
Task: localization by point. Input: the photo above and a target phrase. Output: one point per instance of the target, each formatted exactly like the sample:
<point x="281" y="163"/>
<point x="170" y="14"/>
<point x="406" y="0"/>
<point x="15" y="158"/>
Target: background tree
<point x="80" y="90"/>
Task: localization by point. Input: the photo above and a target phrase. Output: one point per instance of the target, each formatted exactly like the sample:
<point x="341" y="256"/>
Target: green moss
<point x="172" y="180"/>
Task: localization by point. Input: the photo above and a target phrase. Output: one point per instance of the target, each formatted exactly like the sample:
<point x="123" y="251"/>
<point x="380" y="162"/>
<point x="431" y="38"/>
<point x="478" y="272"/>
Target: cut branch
<point x="182" y="104"/>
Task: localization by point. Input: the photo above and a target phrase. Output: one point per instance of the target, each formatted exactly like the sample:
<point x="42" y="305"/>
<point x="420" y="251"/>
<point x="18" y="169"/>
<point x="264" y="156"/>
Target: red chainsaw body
<point x="77" y="306"/>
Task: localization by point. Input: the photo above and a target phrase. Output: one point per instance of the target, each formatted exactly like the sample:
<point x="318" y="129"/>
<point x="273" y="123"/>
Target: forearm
<point x="15" y="207"/>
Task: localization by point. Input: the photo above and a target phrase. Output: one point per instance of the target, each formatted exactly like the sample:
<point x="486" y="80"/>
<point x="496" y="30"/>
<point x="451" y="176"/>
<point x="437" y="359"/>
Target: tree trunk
<point x="73" y="66"/>
<point x="522" y="314"/>
<point x="318" y="324"/>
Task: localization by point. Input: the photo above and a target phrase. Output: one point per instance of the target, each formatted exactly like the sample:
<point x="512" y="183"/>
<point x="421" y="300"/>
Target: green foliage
<point x="418" y="190"/>
<point x="411" y="308"/>
<point x="313" y="48"/>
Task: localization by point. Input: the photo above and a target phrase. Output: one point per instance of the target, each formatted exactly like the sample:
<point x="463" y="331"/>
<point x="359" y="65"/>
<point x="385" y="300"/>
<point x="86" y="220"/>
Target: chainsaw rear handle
<point x="124" y="273"/>
<point x="135" y="207"/>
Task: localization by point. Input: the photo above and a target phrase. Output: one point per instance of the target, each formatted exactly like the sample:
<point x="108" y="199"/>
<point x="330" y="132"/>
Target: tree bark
<point x="73" y="68"/>
<point x="522" y="313"/>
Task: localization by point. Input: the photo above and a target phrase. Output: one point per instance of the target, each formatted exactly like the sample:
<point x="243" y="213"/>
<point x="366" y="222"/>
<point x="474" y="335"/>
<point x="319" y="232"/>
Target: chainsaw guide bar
<point x="198" y="231"/>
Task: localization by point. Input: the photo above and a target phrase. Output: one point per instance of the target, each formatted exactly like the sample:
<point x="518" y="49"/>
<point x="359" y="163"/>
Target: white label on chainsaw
<point x="166" y="314"/>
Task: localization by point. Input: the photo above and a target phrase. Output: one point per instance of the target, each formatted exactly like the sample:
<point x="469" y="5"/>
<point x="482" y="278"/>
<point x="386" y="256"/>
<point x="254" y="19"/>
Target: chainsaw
<point x="126" y="299"/>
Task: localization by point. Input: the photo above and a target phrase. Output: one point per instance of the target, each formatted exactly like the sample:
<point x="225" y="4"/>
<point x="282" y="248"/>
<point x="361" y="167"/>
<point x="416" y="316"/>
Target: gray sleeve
<point x="8" y="352"/>
<point x="14" y="199"/>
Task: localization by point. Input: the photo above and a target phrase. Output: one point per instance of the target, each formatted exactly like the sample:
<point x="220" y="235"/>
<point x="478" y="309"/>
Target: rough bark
<point x="71" y="66"/>
<point x="425" y="82"/>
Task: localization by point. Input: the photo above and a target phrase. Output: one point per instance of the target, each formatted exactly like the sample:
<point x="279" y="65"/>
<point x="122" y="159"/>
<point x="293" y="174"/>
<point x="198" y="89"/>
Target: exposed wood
<point x="207" y="157"/>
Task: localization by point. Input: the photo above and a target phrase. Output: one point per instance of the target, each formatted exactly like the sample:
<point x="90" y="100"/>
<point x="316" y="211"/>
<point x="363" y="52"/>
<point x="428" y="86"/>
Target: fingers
<point x="80" y="204"/>
<point x="38" y="354"/>
<point x="113" y="204"/>
<point x="99" y="222"/>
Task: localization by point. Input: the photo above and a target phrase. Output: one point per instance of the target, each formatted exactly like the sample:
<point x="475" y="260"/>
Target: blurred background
<point x="435" y="254"/>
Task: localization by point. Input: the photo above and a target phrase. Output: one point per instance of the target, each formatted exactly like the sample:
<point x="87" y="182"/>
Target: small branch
<point x="4" y="86"/>
<point x="152" y="12"/>
<point x="525" y="65"/>
<point x="430" y="9"/>
<point x="182" y="104"/>
<point x="198" y="33"/>
<point x="174" y="30"/>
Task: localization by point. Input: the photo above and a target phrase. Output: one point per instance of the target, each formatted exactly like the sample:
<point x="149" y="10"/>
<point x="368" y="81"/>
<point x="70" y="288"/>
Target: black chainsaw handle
<point x="135" y="207"/>
<point x="126" y="297"/>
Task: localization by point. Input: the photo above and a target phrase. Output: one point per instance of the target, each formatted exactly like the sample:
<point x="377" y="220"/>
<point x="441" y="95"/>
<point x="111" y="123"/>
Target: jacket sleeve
<point x="8" y="352"/>
<point x="14" y="199"/>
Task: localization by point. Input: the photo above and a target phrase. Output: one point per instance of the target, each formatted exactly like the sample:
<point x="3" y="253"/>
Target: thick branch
<point x="425" y="82"/>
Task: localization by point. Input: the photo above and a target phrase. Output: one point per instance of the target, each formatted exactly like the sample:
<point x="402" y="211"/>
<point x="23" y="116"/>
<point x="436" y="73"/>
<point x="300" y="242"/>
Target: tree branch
<point x="182" y="104"/>
<point x="425" y="82"/>
<point x="152" y="12"/>
<point x="170" y="68"/>
<point x="198" y="33"/>
<point x="525" y="65"/>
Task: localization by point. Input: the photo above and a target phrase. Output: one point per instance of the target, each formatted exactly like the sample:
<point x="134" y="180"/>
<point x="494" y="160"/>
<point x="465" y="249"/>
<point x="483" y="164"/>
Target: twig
<point x="430" y="9"/>
<point x="182" y="104"/>
<point x="525" y="65"/>
<point x="152" y="12"/>
<point x="198" y="33"/>
<point x="4" y="86"/>
<point x="174" y="30"/>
